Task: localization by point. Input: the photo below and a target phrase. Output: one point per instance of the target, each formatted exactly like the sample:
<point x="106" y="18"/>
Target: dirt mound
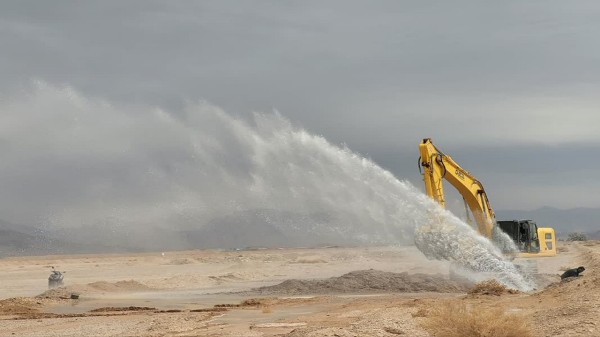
<point x="367" y="281"/>
<point x="179" y="261"/>
<point x="95" y="287"/>
<point x="129" y="285"/>
<point x="56" y="293"/>
<point x="19" y="305"/>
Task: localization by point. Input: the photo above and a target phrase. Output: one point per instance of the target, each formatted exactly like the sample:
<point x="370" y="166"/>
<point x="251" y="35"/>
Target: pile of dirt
<point x="95" y="287"/>
<point x="119" y="286"/>
<point x="181" y="261"/>
<point x="19" y="305"/>
<point x="59" y="293"/>
<point x="367" y="281"/>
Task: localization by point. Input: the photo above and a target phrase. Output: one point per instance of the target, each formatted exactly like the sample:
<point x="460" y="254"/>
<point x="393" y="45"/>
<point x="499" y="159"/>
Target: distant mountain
<point x="19" y="240"/>
<point x="564" y="221"/>
<point x="16" y="240"/>
<point x="251" y="228"/>
<point x="594" y="235"/>
<point x="244" y="229"/>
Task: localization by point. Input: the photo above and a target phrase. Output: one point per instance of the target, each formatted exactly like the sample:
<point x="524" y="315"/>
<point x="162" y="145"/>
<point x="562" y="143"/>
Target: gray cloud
<point x="495" y="84"/>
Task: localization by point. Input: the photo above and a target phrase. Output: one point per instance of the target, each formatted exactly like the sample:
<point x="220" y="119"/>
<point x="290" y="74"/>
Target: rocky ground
<point x="375" y="291"/>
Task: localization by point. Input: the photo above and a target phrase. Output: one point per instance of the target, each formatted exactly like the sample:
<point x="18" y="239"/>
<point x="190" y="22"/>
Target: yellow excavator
<point x="532" y="241"/>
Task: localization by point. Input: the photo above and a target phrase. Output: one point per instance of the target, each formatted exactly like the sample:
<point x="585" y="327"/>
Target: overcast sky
<point x="509" y="89"/>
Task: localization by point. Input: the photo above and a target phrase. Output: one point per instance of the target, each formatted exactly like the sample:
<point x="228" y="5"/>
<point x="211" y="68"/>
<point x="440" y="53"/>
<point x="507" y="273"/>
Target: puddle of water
<point x="255" y="316"/>
<point x="180" y="300"/>
<point x="186" y="300"/>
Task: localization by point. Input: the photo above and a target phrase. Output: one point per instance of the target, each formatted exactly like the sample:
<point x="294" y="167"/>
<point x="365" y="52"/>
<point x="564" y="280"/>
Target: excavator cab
<point x="524" y="234"/>
<point x="532" y="241"/>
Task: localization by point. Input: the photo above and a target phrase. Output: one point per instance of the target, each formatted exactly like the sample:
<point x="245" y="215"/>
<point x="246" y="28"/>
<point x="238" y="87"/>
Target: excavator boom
<point x="437" y="166"/>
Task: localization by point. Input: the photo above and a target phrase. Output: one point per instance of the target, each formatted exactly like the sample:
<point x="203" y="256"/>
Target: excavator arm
<point x="437" y="167"/>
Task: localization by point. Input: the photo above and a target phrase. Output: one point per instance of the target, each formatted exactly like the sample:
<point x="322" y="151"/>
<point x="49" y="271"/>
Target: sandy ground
<point x="209" y="293"/>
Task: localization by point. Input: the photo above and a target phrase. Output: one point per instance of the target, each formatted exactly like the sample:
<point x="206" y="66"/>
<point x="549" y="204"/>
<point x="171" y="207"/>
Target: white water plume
<point x="69" y="161"/>
<point x="445" y="237"/>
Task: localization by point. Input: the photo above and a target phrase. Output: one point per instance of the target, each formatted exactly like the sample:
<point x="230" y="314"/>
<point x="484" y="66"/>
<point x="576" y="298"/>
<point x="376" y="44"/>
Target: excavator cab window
<point x="531" y="241"/>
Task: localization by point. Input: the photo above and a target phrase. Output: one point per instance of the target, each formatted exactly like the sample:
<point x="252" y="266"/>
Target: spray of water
<point x="70" y="161"/>
<point x="446" y="237"/>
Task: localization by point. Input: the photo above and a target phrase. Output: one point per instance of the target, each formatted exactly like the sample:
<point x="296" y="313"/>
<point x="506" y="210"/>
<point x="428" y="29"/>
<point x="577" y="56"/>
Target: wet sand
<point x="209" y="293"/>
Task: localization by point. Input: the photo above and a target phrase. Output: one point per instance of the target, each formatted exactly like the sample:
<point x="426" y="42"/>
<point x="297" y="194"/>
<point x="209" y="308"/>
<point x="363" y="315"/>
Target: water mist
<point x="71" y="161"/>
